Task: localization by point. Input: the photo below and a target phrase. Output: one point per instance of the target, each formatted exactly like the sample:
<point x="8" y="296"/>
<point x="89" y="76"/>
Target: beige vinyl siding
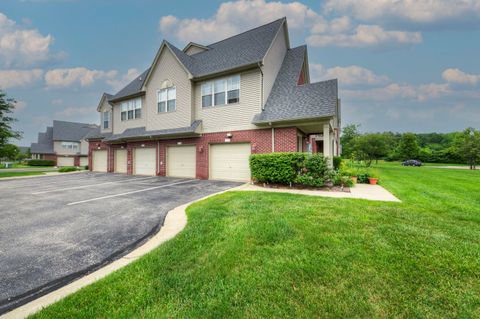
<point x="105" y="107"/>
<point x="236" y="116"/>
<point x="194" y="49"/>
<point x="119" y="126"/>
<point x="84" y="147"/>
<point x="57" y="148"/>
<point x="273" y="62"/>
<point x="168" y="68"/>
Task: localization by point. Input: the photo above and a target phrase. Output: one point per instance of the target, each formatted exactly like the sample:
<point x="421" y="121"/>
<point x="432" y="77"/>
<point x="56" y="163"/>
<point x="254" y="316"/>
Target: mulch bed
<point x="305" y="187"/>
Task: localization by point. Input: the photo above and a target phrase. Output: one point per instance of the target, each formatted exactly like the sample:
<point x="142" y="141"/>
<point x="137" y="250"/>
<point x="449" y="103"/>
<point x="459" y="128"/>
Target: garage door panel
<point x="84" y="161"/>
<point x="181" y="161"/>
<point x="121" y="161"/>
<point x="65" y="161"/>
<point x="99" y="161"/>
<point x="145" y="161"/>
<point x="230" y="162"/>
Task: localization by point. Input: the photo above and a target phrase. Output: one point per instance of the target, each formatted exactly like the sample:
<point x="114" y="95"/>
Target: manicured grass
<point x="259" y="255"/>
<point x="15" y="174"/>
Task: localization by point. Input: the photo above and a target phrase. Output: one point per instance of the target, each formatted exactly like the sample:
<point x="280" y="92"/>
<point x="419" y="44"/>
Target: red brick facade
<point x="286" y="140"/>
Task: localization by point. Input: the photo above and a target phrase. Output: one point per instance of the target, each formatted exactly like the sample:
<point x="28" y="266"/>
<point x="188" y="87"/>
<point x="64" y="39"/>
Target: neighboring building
<point x="201" y="111"/>
<point x="64" y="143"/>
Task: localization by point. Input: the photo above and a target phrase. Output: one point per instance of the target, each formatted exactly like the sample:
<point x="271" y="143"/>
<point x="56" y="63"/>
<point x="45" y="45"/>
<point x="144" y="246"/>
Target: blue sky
<point x="401" y="65"/>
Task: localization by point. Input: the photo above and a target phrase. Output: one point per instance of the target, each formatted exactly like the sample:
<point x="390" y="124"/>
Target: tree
<point x="6" y="120"/>
<point x="371" y="147"/>
<point x="408" y="147"/>
<point x="349" y="133"/>
<point x="468" y="145"/>
<point x="9" y="152"/>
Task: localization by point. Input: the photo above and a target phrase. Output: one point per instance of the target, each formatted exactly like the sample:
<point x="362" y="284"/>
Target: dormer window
<point x="167" y="100"/>
<point x="106" y="119"/>
<point x="221" y="92"/>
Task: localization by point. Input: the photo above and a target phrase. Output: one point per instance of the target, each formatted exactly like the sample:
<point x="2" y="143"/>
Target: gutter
<point x="262" y="105"/>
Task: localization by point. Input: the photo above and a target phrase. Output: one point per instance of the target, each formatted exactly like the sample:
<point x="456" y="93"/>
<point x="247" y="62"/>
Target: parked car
<point x="412" y="163"/>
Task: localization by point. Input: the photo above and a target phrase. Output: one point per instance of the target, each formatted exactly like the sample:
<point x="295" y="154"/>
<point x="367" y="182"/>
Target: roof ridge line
<point x="235" y="35"/>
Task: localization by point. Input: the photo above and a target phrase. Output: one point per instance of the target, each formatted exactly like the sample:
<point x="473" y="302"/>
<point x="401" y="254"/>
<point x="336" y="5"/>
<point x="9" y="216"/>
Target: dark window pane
<point x="233" y="96"/>
<point x="219" y="98"/>
<point x="130" y="114"/>
<point x="171" y="105"/>
<point x="206" y="100"/>
<point x="105" y="124"/>
<point x="161" y="107"/>
<point x="124" y="116"/>
<point x="138" y="113"/>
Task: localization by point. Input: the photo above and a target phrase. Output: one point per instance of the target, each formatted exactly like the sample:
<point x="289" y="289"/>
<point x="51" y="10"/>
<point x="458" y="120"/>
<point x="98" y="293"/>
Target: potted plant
<point x="372" y="179"/>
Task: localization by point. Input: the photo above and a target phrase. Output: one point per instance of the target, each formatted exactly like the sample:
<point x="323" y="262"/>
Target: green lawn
<point x="15" y="174"/>
<point x="256" y="255"/>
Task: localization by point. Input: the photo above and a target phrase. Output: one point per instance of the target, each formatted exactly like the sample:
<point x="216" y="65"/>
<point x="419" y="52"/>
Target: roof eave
<point x="127" y="97"/>
<point x="299" y="120"/>
<point x="244" y="67"/>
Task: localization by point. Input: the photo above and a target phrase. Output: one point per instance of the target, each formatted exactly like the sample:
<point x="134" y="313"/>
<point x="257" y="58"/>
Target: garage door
<point x="230" y="162"/>
<point x="83" y="161"/>
<point x="65" y="161"/>
<point x="144" y="161"/>
<point x="181" y="161"/>
<point x="99" y="161"/>
<point x="120" y="161"/>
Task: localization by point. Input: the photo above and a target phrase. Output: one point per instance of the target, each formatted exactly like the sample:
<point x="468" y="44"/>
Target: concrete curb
<point x="174" y="223"/>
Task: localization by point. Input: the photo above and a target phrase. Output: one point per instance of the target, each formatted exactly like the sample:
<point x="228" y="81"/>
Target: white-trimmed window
<point x="167" y="100"/>
<point x="106" y="119"/>
<point x="70" y="146"/>
<point x="131" y="109"/>
<point x="222" y="91"/>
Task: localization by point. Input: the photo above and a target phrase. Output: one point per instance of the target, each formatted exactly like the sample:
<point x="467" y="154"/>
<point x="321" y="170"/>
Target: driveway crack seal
<point x="28" y="303"/>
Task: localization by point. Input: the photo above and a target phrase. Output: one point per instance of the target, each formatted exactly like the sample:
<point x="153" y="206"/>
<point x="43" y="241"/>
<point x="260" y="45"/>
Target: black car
<point x="412" y="163"/>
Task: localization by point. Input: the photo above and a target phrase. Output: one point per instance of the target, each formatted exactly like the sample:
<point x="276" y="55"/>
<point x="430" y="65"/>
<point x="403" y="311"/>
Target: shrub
<point x="280" y="168"/>
<point x="39" y="162"/>
<point x="67" y="169"/>
<point x="289" y="168"/>
<point x="337" y="162"/>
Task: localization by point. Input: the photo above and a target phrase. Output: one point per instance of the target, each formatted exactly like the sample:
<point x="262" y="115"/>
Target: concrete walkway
<point x="453" y="167"/>
<point x="359" y="191"/>
<point x="28" y="169"/>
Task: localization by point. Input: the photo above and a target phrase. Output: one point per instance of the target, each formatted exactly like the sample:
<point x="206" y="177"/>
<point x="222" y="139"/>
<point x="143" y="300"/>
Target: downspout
<point x="261" y="87"/>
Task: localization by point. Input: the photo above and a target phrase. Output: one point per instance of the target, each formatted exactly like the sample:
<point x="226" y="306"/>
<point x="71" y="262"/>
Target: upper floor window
<point x="167" y="100"/>
<point x="106" y="119"/>
<point x="221" y="91"/>
<point x="131" y="109"/>
<point x="70" y="146"/>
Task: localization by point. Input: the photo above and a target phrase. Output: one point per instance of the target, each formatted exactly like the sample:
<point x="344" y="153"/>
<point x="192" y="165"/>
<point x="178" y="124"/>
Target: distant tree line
<point x="456" y="147"/>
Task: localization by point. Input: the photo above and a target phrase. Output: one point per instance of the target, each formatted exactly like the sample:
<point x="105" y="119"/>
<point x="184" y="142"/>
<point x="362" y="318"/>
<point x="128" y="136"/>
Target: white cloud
<point x="76" y="76"/>
<point x="57" y="102"/>
<point x="411" y="11"/>
<point x="20" y="105"/>
<point x="19" y="78"/>
<point x="366" y="36"/>
<point x="236" y="16"/>
<point x="73" y="112"/>
<point x="395" y="91"/>
<point x="119" y="83"/>
<point x="349" y="75"/>
<point x="460" y="77"/>
<point x="20" y="46"/>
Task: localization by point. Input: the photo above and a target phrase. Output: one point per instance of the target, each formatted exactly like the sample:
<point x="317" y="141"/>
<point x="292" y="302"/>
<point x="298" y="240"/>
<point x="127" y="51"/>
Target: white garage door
<point x="99" y="159"/>
<point x="120" y="161"/>
<point x="230" y="162"/>
<point x="144" y="161"/>
<point x="181" y="161"/>
<point x="83" y="161"/>
<point x="65" y="161"/>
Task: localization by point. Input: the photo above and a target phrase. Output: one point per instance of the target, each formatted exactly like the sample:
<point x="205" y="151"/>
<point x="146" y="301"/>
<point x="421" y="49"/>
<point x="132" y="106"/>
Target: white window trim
<point x="166" y="101"/>
<point x="212" y="94"/>
<point x="70" y="145"/>
<point x="125" y="103"/>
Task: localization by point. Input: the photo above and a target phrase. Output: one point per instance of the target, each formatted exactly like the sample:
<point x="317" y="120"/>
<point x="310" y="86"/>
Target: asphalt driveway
<point x="55" y="229"/>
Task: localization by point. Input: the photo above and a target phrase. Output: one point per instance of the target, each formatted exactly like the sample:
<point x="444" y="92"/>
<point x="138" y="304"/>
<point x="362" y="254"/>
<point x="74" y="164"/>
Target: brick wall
<point x="260" y="140"/>
<point x="50" y="157"/>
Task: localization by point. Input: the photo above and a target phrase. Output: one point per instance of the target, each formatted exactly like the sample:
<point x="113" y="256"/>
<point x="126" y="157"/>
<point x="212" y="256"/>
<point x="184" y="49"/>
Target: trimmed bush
<point x="290" y="168"/>
<point x="39" y="162"/>
<point x="67" y="169"/>
<point x="337" y="162"/>
<point x="280" y="168"/>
